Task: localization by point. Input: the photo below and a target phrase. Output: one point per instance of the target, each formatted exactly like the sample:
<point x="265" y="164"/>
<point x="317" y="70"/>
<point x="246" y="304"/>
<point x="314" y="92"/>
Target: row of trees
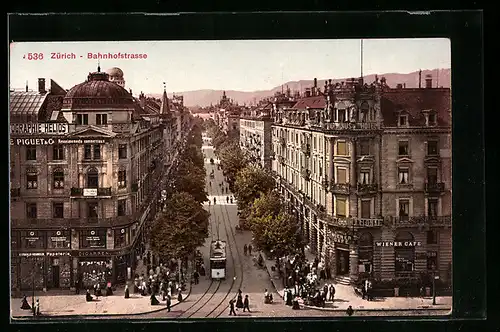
<point x="183" y="224"/>
<point x="260" y="206"/>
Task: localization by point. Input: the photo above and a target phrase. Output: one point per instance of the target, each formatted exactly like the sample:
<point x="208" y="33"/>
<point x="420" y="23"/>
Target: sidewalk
<point x="345" y="296"/>
<point x="52" y="303"/>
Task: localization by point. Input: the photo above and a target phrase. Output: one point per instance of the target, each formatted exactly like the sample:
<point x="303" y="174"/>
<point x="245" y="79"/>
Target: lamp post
<point x="434" y="277"/>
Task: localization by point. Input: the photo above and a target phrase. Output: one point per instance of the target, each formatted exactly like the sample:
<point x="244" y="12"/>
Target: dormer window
<point x="403" y="120"/>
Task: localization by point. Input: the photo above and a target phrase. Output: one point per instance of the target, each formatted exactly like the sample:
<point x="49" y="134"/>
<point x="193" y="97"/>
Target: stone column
<point x="353" y="262"/>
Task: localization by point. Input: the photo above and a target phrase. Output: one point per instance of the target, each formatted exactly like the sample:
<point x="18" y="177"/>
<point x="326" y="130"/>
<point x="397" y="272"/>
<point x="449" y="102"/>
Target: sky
<point x="242" y="65"/>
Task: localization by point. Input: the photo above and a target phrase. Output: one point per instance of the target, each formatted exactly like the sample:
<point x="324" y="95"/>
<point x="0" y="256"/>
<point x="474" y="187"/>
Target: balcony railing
<point x="90" y="192"/>
<point x="306" y="149"/>
<point x="306" y="174"/>
<point x="420" y="220"/>
<point x="340" y="188"/>
<point x="282" y="141"/>
<point x="281" y="160"/>
<point x="434" y="187"/>
<point x="369" y="188"/>
<point x="351" y="222"/>
<point x="15" y="192"/>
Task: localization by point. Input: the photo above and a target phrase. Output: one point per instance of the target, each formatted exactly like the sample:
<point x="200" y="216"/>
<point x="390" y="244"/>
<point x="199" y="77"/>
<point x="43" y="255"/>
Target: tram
<point x="218" y="259"/>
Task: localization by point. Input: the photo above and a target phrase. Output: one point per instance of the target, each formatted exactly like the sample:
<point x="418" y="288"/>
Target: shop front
<point x="365" y="255"/>
<point x="58" y="261"/>
<point x="31" y="269"/>
<point x="341" y="242"/>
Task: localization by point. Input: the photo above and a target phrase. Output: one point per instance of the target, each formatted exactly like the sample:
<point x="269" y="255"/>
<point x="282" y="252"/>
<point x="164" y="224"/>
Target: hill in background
<point x="207" y="97"/>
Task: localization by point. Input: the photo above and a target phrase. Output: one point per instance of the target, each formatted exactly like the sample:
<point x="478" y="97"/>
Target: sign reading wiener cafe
<point x="38" y="128"/>
<point x="398" y="243"/>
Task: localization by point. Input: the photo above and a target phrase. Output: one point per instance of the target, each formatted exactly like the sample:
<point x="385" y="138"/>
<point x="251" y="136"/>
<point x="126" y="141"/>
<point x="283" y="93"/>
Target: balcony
<point x="366" y="189"/>
<point x="306" y="149"/>
<point x="283" y="141"/>
<point x="15" y="192"/>
<point x="351" y="222"/>
<point x="436" y="187"/>
<point x="91" y="192"/>
<point x="340" y="188"/>
<point x="306" y="174"/>
<point x="281" y="160"/>
<point x="325" y="183"/>
<point x="420" y="220"/>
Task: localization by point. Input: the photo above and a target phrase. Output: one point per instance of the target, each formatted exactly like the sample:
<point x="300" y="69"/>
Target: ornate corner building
<point x="366" y="169"/>
<point x="87" y="169"/>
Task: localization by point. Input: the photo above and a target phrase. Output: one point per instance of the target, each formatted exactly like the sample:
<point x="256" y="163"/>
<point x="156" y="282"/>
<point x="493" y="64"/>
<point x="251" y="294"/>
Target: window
<point x="364" y="147"/>
<point x="122" y="207"/>
<point x="120" y="238"/>
<point x="58" y="179"/>
<point x="31" y="211"/>
<point x="31" y="152"/>
<point x="341" y="207"/>
<point x="403" y="175"/>
<point x="365" y="176"/>
<point x="122" y="151"/>
<point x="341" y="175"/>
<point x="101" y="119"/>
<point x="365" y="208"/>
<point x="432" y="207"/>
<point x="341" y="148"/>
<point x="431" y="120"/>
<point x="432" y="237"/>
<point x="403" y="148"/>
<point x="58" y="210"/>
<point x="404" y="209"/>
<point x="31" y="181"/>
<point x="97" y="152"/>
<point x="432" y="260"/>
<point x="122" y="179"/>
<point x="92" y="210"/>
<point x="432" y="148"/>
<point x="92" y="178"/>
<point x="87" y="151"/>
<point x="342" y="116"/>
<point x="82" y="119"/>
<point x="403" y="120"/>
<point x="432" y="175"/>
<point x="57" y="152"/>
<point x="93" y="239"/>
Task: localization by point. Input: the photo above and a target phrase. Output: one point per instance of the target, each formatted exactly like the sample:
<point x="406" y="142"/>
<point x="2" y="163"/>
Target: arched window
<point x="92" y="178"/>
<point x="58" y="179"/>
<point x="364" y="111"/>
<point x="365" y="253"/>
<point x="404" y="249"/>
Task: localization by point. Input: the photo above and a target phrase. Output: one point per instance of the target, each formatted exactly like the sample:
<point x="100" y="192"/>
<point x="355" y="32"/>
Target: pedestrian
<point x="36" y="309"/>
<point x="231" y="200"/>
<point x="154" y="300"/>
<point x="239" y="301"/>
<point x="249" y="249"/>
<point x="127" y="292"/>
<point x="24" y="304"/>
<point x="196" y="276"/>
<point x="215" y="201"/>
<point x="77" y="287"/>
<point x="349" y="311"/>
<point x="331" y="291"/>
<point x="246" y="304"/>
<point x="245" y="249"/>
<point x="209" y="202"/>
<point x="88" y="297"/>
<point x="179" y="296"/>
<point x="227" y="199"/>
<point x="289" y="298"/>
<point x="169" y="302"/>
<point x="231" y="308"/>
<point x="363" y="289"/>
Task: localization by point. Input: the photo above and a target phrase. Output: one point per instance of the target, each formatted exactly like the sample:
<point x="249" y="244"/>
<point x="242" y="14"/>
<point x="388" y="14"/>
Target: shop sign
<point x="93" y="253"/>
<point x="56" y="254"/>
<point x="368" y="222"/>
<point x="38" y="128"/>
<point x="93" y="238"/>
<point x="31" y="254"/>
<point x="341" y="238"/>
<point x="58" y="238"/>
<point x="90" y="192"/>
<point x="32" y="239"/>
<point x="398" y="243"/>
<point x="80" y="141"/>
<point x="31" y="141"/>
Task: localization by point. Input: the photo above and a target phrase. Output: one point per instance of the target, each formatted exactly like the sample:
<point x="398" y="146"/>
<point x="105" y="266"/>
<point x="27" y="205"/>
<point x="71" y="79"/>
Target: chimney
<point x="308" y="92"/>
<point x="420" y="79"/>
<point x="428" y="81"/>
<point x="315" y="86"/>
<point x="26" y="86"/>
<point x="399" y="86"/>
<point x="41" y="85"/>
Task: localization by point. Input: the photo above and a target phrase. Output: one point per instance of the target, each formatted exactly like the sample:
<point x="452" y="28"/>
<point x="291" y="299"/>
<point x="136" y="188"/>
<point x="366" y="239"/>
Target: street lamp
<point x="434" y="277"/>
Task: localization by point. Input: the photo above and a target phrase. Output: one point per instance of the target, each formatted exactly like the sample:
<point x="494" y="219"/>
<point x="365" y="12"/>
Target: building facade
<point x="364" y="208"/>
<point x="87" y="168"/>
<point x="255" y="134"/>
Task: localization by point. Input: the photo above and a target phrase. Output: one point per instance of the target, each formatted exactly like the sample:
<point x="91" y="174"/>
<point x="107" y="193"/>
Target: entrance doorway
<point x="342" y="261"/>
<point x="55" y="275"/>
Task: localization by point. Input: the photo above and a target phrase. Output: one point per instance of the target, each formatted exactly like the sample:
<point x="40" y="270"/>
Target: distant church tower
<point x="116" y="76"/>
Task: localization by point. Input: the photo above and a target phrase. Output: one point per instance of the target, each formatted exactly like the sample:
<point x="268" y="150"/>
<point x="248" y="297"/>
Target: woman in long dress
<point x="239" y="301"/>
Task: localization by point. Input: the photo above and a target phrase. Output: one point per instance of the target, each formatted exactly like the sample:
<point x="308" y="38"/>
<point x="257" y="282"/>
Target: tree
<point x="193" y="154"/>
<point x="181" y="228"/>
<point x="280" y="234"/>
<point x="250" y="183"/>
<point x="268" y="204"/>
<point x="232" y="161"/>
<point x="191" y="179"/>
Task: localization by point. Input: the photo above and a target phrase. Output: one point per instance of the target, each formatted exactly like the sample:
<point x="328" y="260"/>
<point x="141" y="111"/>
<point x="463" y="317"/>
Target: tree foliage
<point x="250" y="183"/>
<point x="280" y="234"/>
<point x="181" y="228"/>
<point x="268" y="204"/>
<point x="232" y="161"/>
<point x="191" y="179"/>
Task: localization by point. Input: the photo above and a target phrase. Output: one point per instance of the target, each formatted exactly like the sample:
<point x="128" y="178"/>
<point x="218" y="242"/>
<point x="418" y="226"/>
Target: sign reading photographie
<point x="38" y="128"/>
<point x="398" y="243"/>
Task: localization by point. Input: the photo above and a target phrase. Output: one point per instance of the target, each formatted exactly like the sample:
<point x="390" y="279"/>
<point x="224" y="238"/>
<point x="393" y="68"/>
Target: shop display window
<point x="404" y="256"/>
<point x="94" y="272"/>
